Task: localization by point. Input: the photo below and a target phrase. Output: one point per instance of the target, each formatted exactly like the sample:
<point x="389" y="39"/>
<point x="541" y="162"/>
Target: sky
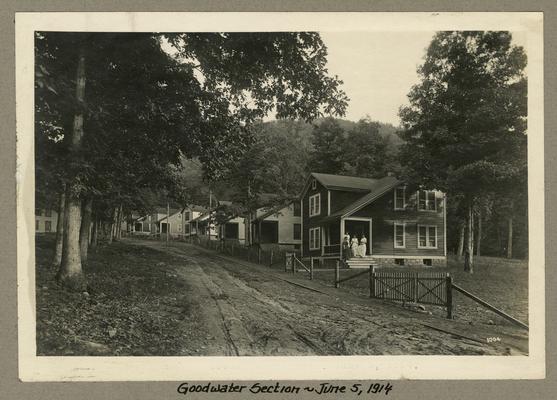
<point x="378" y="69"/>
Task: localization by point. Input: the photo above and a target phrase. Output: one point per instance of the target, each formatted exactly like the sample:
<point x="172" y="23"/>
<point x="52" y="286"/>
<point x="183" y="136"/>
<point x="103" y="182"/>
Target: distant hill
<point x="304" y="129"/>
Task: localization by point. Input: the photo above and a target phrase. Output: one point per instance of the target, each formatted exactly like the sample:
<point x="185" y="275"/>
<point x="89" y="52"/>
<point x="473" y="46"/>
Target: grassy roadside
<point x="501" y="282"/>
<point x="134" y="305"/>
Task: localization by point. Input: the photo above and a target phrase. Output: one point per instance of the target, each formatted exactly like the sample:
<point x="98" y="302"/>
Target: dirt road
<point x="247" y="309"/>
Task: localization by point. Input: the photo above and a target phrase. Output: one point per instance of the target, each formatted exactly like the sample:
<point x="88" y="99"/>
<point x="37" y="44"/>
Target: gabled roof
<point x="200" y="218"/>
<point x="195" y="208"/>
<point x="172" y="213"/>
<point x="378" y="189"/>
<point x="271" y="211"/>
<point x="343" y="182"/>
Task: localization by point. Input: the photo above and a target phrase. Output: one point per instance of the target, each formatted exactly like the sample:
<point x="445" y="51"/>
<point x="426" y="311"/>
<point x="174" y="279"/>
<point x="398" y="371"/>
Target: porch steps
<point x="361" y="262"/>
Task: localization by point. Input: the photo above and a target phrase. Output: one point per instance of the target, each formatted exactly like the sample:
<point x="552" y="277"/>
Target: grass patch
<point x="134" y="305"/>
<point x="499" y="281"/>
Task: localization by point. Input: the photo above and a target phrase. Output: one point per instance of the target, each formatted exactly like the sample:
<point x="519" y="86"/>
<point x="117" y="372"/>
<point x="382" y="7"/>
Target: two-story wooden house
<point x="402" y="227"/>
<point x="279" y="226"/>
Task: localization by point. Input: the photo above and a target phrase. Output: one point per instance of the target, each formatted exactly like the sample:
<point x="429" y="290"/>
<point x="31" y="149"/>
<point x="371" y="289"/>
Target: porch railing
<point x="331" y="249"/>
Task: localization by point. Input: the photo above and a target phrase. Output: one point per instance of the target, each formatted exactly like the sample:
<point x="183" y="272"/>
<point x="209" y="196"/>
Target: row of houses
<point x="400" y="226"/>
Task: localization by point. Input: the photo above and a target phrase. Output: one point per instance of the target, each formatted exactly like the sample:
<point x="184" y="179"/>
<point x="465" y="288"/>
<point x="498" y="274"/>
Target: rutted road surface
<point x="247" y="309"/>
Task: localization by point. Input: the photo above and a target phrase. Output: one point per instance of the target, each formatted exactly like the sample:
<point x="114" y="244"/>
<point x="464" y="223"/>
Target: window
<point x="187" y="215"/>
<point x="426" y="200"/>
<point x="36" y="224"/>
<point x="47" y="226"/>
<point x="314" y="184"/>
<point x="297" y="209"/>
<point x="427" y="237"/>
<point x="315" y="205"/>
<point x="297" y="231"/>
<point x="427" y="261"/>
<point x="48" y="212"/>
<point x="314" y="238"/>
<point x="399" y="261"/>
<point x="400" y="198"/>
<point x="400" y="236"/>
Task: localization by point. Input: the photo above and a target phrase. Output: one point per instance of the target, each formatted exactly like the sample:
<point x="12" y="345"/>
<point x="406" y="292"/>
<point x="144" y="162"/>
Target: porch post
<point x="341" y="235"/>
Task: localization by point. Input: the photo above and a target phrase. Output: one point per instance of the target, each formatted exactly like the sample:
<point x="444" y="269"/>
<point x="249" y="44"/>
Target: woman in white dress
<point x="354" y="245"/>
<point x="362" y="247"/>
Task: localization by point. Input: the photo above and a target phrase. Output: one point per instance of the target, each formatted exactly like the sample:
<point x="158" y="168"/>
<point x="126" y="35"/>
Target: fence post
<point x="259" y="255"/>
<point x="311" y="268"/>
<point x="292" y="259"/>
<point x="415" y="287"/>
<point x="271" y="259"/>
<point x="285" y="263"/>
<point x="449" y="288"/>
<point x="371" y="282"/>
<point x="337" y="274"/>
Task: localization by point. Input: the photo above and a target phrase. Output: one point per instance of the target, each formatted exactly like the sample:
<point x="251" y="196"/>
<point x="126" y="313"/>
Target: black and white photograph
<point x="260" y="193"/>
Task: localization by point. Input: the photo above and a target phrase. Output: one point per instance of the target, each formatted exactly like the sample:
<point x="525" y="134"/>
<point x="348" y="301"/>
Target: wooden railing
<point x="331" y="249"/>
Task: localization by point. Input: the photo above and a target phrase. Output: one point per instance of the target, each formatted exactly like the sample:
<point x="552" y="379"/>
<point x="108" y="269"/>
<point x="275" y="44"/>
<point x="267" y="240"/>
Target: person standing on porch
<point x="363" y="245"/>
<point x="346" y="247"/>
<point x="354" y="247"/>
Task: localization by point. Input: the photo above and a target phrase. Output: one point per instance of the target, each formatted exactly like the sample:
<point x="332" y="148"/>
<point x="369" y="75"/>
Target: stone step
<point x="363" y="262"/>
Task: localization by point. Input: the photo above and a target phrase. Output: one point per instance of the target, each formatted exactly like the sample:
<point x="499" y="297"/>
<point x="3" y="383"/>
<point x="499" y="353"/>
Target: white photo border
<point x="37" y="368"/>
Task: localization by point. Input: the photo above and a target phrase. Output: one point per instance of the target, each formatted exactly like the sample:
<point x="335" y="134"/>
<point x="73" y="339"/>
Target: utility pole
<point x="167" y="222"/>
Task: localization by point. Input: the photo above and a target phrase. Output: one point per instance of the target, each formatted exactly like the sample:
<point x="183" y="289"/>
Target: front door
<point x="359" y="228"/>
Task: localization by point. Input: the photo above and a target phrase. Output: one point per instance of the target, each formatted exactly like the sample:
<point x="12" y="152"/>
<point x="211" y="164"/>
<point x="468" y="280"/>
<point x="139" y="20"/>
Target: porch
<point x="332" y="234"/>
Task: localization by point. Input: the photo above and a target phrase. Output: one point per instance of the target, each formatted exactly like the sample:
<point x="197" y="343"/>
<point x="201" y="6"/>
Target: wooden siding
<point x="286" y="220"/>
<point x="311" y="222"/>
<point x="385" y="216"/>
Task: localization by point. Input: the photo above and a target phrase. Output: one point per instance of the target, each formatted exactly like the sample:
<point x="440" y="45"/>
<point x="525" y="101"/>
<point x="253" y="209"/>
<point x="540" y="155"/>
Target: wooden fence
<point x="253" y="254"/>
<point x="434" y="288"/>
<point x="418" y="287"/>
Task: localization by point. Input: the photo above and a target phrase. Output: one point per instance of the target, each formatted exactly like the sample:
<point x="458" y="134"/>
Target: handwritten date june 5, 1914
<point x="356" y="389"/>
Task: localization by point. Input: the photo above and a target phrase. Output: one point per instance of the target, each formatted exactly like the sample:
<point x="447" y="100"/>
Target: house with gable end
<point x="401" y="226"/>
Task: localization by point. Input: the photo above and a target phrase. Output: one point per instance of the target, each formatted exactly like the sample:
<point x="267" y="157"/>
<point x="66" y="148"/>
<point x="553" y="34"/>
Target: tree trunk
<point x="59" y="231"/>
<point x="95" y="233"/>
<point x="460" y="251"/>
<point x="118" y="229"/>
<point x="111" y="226"/>
<point x="70" y="273"/>
<point x="479" y="242"/>
<point x="510" y="237"/>
<point x="469" y="255"/>
<point x="85" y="228"/>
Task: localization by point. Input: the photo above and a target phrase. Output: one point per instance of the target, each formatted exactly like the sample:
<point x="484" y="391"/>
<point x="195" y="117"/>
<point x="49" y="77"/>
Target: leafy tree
<point x="465" y="126"/>
<point x="124" y="110"/>
<point x="328" y="147"/>
<point x="366" y="152"/>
